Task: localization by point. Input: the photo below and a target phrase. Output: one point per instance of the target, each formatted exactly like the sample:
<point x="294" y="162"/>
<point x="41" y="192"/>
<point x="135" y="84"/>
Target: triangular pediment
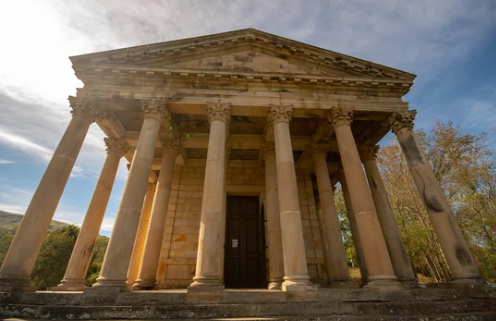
<point x="248" y="51"/>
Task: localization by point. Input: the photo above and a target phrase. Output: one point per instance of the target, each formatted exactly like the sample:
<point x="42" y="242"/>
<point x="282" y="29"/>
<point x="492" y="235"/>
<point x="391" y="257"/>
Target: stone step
<point x="267" y="310"/>
<point x="473" y="316"/>
<point x="175" y="297"/>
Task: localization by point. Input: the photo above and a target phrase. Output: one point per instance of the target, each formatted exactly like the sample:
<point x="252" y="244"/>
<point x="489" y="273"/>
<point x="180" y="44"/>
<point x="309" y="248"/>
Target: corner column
<point x="153" y="244"/>
<point x="339" y="271"/>
<point x="207" y="277"/>
<point x="75" y="274"/>
<point x="399" y="258"/>
<point x="454" y="246"/>
<point x="276" y="261"/>
<point x="139" y="243"/>
<point x="113" y="275"/>
<point x="21" y="256"/>
<point x="293" y="245"/>
<point x="379" y="267"/>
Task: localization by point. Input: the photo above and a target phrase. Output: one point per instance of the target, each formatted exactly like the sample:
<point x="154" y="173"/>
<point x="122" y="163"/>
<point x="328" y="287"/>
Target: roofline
<point x="241" y="31"/>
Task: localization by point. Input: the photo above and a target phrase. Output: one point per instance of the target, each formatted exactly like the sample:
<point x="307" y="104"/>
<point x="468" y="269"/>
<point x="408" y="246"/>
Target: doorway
<point x="244" y="261"/>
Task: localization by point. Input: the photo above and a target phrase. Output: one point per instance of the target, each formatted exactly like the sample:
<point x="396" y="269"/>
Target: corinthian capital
<point x="85" y="106"/>
<point x="219" y="111"/>
<point x="340" y="116"/>
<point x="155" y="108"/>
<point x="171" y="146"/>
<point x="401" y="118"/>
<point x="151" y="188"/>
<point x="280" y="113"/>
<point x="368" y="152"/>
<point x="116" y="145"/>
<point x="318" y="149"/>
<point x="269" y="149"/>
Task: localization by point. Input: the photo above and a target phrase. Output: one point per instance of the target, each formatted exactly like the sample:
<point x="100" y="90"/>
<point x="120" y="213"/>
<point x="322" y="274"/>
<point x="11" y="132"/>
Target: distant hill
<point x="10" y="220"/>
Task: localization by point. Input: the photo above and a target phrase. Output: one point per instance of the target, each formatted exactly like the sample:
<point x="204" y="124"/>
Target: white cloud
<point x="6" y="162"/>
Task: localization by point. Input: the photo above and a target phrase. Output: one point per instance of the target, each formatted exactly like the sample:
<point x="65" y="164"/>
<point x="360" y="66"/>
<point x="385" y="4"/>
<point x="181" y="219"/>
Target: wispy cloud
<point x="6" y="162"/>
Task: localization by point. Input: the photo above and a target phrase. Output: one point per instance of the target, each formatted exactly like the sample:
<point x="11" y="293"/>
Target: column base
<point x="412" y="283"/>
<point x="298" y="284"/>
<point x="16" y="284"/>
<point x="275" y="285"/>
<point x="69" y="285"/>
<point x="141" y="285"/>
<point x="206" y="284"/>
<point x="385" y="281"/>
<point x="110" y="285"/>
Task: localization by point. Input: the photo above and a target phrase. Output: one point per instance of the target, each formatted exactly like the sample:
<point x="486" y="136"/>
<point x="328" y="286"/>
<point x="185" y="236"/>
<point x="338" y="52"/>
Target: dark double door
<point x="245" y="245"/>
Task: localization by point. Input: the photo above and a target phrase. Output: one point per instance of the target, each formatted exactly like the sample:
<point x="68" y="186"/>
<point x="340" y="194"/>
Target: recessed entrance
<point x="245" y="247"/>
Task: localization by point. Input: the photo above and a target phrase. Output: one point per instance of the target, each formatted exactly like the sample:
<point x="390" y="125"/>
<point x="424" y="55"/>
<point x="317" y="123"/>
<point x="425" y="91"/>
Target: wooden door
<point x="245" y="254"/>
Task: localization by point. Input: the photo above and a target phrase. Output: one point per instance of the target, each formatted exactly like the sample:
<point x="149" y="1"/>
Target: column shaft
<point x="355" y="234"/>
<point x="75" y="274"/>
<point x="211" y="238"/>
<point x="276" y="261"/>
<point x="21" y="256"/>
<point x="141" y="234"/>
<point x="379" y="267"/>
<point x="396" y="248"/>
<point x="295" y="263"/>
<point x="449" y="235"/>
<point x="154" y="238"/>
<point x="332" y="227"/>
<point x="118" y="256"/>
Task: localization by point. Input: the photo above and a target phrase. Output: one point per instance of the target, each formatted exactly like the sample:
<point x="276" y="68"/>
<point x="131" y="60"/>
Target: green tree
<point x="54" y="255"/>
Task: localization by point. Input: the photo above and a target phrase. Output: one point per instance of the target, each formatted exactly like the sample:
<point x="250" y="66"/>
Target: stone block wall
<point x="243" y="178"/>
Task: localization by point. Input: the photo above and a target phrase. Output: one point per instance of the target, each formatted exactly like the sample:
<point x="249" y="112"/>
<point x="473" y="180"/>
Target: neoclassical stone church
<point x="235" y="143"/>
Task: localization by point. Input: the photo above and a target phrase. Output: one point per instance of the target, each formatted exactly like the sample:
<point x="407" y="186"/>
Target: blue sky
<point x="450" y="45"/>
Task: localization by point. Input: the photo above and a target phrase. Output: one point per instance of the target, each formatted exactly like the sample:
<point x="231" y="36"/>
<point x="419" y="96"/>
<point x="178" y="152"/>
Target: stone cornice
<point x="340" y="115"/>
<point x="249" y="36"/>
<point x="155" y="108"/>
<point x="400" y="85"/>
<point x="400" y="118"/>
<point x="368" y="152"/>
<point x="116" y="145"/>
<point x="219" y="111"/>
<point x="280" y="113"/>
<point x="85" y="106"/>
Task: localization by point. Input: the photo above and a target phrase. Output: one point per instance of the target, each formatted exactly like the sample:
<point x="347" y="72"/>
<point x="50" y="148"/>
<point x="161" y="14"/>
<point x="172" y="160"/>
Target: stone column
<point x="224" y="215"/>
<point x="355" y="235"/>
<point x="80" y="260"/>
<point x="210" y="241"/>
<point x="139" y="242"/>
<point x="340" y="273"/>
<point x="379" y="267"/>
<point x="454" y="246"/>
<point x="276" y="261"/>
<point x="293" y="245"/>
<point x="19" y="261"/>
<point x="153" y="244"/>
<point x="396" y="248"/>
<point x="113" y="275"/>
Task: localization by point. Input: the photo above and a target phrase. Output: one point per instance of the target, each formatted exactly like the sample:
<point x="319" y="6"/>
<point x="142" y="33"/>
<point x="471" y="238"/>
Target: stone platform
<point x="325" y="304"/>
